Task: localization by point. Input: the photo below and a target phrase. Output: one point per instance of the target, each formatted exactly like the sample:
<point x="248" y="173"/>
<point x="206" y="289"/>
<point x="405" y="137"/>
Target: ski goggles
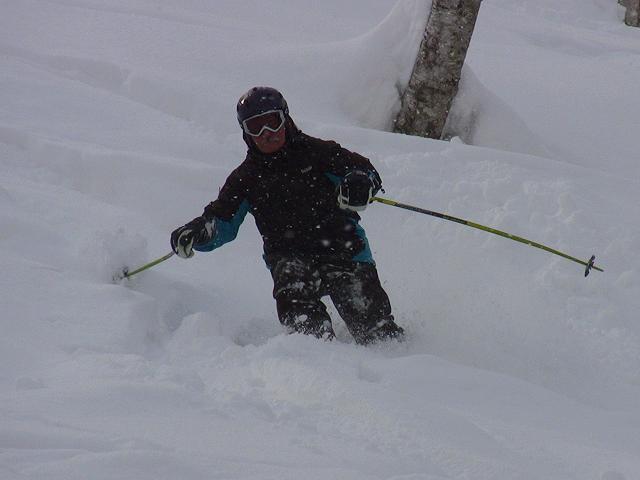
<point x="273" y="120"/>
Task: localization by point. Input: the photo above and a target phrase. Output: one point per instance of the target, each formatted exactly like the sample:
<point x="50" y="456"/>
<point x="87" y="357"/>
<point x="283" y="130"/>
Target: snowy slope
<point x="117" y="124"/>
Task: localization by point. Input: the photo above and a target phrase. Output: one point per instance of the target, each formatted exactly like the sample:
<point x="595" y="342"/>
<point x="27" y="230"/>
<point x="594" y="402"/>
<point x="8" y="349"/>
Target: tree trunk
<point x="434" y="81"/>
<point x="632" y="17"/>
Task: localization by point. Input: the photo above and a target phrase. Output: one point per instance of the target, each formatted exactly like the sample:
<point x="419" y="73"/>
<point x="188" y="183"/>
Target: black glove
<point x="196" y="232"/>
<point x="357" y="189"/>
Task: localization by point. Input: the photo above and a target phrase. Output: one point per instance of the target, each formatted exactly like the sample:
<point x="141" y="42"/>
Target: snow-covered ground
<point x="117" y="124"/>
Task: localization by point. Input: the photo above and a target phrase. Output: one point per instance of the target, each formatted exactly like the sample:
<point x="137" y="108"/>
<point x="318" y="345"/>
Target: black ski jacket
<point x="292" y="195"/>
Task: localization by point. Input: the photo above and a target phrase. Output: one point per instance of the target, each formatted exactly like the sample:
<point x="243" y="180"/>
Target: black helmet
<point x="259" y="100"/>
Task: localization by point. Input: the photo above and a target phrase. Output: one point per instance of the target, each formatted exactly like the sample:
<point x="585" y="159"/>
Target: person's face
<point x="270" y="142"/>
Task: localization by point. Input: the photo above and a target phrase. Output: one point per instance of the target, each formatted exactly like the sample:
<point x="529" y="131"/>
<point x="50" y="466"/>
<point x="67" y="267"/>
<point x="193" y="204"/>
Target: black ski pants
<point x="299" y="283"/>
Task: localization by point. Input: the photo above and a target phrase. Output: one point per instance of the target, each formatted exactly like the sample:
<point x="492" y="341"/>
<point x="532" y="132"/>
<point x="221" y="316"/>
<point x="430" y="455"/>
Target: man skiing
<point x="304" y="194"/>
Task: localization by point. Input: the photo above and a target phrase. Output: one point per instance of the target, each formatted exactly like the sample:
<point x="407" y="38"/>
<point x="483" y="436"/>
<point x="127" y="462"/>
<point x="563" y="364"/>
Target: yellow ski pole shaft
<point x="589" y="264"/>
<point x="128" y="274"/>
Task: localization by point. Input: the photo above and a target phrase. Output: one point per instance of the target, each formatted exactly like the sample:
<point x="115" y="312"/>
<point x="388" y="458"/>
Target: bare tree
<point x="434" y="81"/>
<point x="632" y="17"/>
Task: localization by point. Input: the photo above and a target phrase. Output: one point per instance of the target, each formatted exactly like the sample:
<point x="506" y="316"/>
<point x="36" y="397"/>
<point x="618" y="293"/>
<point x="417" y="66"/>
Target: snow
<point x="117" y="125"/>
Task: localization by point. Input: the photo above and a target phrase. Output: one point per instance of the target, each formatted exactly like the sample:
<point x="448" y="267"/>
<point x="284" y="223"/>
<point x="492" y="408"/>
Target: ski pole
<point x="127" y="274"/>
<point x="588" y="264"/>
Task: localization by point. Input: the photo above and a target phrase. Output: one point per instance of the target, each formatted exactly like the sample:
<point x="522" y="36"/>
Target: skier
<point x="304" y="194"/>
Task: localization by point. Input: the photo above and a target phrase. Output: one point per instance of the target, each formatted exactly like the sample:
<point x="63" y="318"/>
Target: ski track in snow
<point x="118" y="125"/>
